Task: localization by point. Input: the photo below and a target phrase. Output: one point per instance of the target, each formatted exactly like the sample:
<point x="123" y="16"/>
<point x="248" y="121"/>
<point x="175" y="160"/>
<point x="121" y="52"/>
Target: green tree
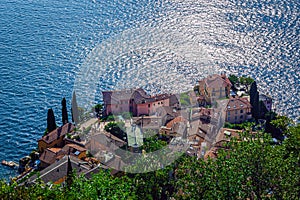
<point x="246" y="81"/>
<point x="64" y="111"/>
<point x="233" y="79"/>
<point x="51" y="125"/>
<point x="116" y="128"/>
<point x="282" y="123"/>
<point x="98" y="109"/>
<point x="153" y="143"/>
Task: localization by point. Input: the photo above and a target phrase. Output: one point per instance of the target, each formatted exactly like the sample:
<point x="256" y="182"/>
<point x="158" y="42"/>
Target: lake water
<point x="48" y="48"/>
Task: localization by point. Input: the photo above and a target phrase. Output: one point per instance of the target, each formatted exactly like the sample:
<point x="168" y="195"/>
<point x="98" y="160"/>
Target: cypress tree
<point x="254" y="100"/>
<point x="64" y="111"/>
<point x="75" y="113"/>
<point x="253" y="90"/>
<point x="51" y="125"/>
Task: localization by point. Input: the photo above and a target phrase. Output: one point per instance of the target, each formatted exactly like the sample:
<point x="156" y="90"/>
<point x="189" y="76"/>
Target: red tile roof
<point x="217" y="80"/>
<point x="50" y="154"/>
<point x="73" y="147"/>
<point x="238" y="103"/>
<point x="57" y="133"/>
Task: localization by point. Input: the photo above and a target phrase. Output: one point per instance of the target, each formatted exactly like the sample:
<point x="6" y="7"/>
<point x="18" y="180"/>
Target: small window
<point x="241" y="116"/>
<point x="228" y="113"/>
<point x="242" y="111"/>
<point x="148" y="105"/>
<point x="228" y="118"/>
<point x="235" y="111"/>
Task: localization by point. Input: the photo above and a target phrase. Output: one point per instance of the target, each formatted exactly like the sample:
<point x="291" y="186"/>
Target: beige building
<point x="214" y="87"/>
<point x="238" y="110"/>
<point x="55" y="138"/>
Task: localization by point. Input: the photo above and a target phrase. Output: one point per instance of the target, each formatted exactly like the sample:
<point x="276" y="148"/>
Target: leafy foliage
<point x="152" y="144"/>
<point x="233" y="79"/>
<point x="116" y="128"/>
<point x="184" y="99"/>
<point x="253" y="168"/>
<point x="241" y="126"/>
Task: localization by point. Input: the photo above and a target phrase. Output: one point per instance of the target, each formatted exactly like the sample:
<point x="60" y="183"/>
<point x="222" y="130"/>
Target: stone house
<point x="238" y="110"/>
<point x="55" y="138"/>
<point x="214" y="87"/>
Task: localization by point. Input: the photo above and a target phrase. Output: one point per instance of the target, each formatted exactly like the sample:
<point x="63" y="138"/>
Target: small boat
<point x="9" y="163"/>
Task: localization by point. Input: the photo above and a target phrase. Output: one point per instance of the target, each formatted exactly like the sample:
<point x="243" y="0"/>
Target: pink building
<point x="136" y="101"/>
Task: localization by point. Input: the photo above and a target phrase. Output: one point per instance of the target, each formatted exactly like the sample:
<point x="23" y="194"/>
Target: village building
<point x="58" y="171"/>
<point x="74" y="150"/>
<point x="175" y="128"/>
<point x="238" y="110"/>
<point x="214" y="87"/>
<point x="135" y="101"/>
<point x="49" y="156"/>
<point x="55" y="138"/>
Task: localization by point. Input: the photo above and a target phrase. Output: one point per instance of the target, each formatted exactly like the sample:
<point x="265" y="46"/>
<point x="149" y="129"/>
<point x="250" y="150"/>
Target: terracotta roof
<point x="57" y="172"/>
<point x="151" y="99"/>
<point x="238" y="103"/>
<point x="114" y="97"/>
<point x="73" y="148"/>
<point x="216" y="80"/>
<point x="225" y="135"/>
<point x="175" y="121"/>
<point x="138" y="95"/>
<point x="212" y="153"/>
<point x="166" y="110"/>
<point x="49" y="156"/>
<point x="57" y="133"/>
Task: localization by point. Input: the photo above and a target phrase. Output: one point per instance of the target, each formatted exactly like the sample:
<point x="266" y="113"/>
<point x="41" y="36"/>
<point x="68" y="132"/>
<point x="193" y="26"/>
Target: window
<point x="228" y="113"/>
<point x="242" y="111"/>
<point x="235" y="111"/>
<point x="241" y="116"/>
<point x="228" y="118"/>
<point x="148" y="105"/>
<point x="235" y="117"/>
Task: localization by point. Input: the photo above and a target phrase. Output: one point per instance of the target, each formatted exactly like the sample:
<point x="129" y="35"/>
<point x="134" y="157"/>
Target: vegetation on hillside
<point x="249" y="168"/>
